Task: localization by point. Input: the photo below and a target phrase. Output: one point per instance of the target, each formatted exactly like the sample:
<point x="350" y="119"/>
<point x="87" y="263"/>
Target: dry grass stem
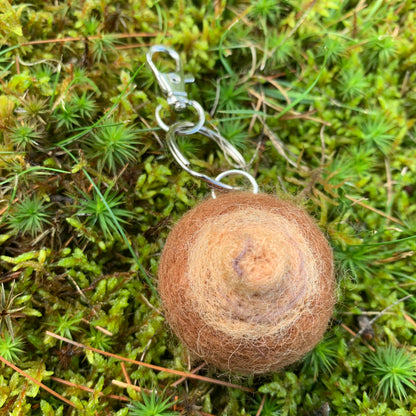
<point x="195" y="370"/>
<point x="40" y="384"/>
<point x="76" y="39"/>
<point x="125" y="374"/>
<point x="260" y="409"/>
<point x="377" y="211"/>
<point x="152" y="366"/>
<point x="378" y="316"/>
<point x="89" y="390"/>
<point x="409" y="319"/>
<point x="126" y="385"/>
<point x="354" y="335"/>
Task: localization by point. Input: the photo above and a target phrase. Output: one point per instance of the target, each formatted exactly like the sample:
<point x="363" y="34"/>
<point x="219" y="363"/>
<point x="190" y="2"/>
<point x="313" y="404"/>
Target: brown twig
<point x="272" y="81"/>
<point x="354" y="335"/>
<point x="78" y="289"/>
<point x="290" y="115"/>
<point x="40" y="384"/>
<point x="4" y="209"/>
<point x="10" y="277"/>
<point x="125" y="374"/>
<point x="89" y="390"/>
<point x="263" y="400"/>
<point x="378" y="316"/>
<point x="133" y="46"/>
<point x="395" y="257"/>
<point x="377" y="211"/>
<point x="78" y="38"/>
<point x="348" y="329"/>
<point x="409" y="319"/>
<point x="195" y="370"/>
<point x="152" y="366"/>
<point x="198" y="412"/>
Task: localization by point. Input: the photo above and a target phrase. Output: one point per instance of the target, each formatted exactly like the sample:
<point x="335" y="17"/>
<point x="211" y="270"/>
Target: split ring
<point x="237" y="172"/>
<point x="192" y="127"/>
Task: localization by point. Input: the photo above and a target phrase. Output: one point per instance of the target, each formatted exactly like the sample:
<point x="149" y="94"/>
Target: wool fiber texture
<point x="247" y="282"/>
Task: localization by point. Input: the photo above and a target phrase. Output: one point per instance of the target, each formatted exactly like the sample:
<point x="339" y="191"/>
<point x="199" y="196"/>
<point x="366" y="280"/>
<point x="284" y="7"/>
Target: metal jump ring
<point x="192" y="127"/>
<point x="236" y="172"/>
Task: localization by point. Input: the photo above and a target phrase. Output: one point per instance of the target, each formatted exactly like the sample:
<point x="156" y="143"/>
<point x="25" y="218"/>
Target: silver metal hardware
<point x="236" y="172"/>
<point x="226" y="147"/>
<point x="172" y="85"/>
<point x="233" y="156"/>
<point x="189" y="130"/>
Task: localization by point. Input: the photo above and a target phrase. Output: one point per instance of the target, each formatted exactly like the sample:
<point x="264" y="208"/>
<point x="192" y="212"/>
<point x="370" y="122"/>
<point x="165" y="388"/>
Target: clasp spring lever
<point x="172" y="84"/>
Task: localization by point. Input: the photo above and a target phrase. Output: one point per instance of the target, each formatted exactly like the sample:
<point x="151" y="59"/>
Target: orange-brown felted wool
<point x="247" y="282"/>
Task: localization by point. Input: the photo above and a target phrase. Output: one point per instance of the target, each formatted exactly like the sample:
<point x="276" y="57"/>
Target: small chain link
<point x="172" y="85"/>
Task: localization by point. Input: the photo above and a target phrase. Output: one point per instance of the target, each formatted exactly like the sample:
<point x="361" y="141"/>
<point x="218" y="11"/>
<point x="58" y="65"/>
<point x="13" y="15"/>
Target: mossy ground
<point x="320" y="96"/>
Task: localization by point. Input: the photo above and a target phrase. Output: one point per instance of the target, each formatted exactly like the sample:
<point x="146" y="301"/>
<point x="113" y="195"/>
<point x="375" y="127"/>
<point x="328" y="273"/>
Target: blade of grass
<point x="306" y="92"/>
<point x="9" y="49"/>
<point x="224" y="35"/>
<point x="400" y="240"/>
<point x="7" y="68"/>
<point x="33" y="168"/>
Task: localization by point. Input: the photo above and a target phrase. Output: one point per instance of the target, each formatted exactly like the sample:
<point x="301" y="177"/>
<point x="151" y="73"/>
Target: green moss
<point x="320" y="98"/>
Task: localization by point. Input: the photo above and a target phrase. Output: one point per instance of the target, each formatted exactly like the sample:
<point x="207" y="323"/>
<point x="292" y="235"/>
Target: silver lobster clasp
<point x="172" y="84"/>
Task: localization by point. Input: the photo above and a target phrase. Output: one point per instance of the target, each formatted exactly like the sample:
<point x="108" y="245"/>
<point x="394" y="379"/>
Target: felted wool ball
<point x="247" y="282"/>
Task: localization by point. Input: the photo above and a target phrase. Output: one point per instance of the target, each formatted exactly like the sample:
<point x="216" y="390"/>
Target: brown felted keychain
<point x="246" y="279"/>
